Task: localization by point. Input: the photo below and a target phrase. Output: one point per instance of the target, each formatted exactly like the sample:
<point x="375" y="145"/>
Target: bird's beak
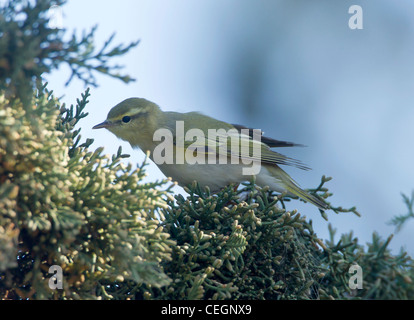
<point x="104" y="124"/>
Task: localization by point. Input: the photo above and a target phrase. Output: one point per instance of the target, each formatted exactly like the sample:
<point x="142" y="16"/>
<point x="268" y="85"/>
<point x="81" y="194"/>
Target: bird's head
<point x="133" y="120"/>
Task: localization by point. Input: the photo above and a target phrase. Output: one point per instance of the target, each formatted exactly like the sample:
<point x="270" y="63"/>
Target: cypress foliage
<point x="64" y="204"/>
<point x="61" y="203"/>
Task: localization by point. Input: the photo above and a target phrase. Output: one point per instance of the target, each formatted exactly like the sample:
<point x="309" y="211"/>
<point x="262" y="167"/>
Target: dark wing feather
<point x="272" y="143"/>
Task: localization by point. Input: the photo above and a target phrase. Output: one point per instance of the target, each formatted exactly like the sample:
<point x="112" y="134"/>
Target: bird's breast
<point x="215" y="176"/>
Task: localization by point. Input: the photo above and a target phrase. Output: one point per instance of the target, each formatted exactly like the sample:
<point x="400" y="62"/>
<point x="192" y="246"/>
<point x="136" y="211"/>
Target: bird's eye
<point x="126" y="119"/>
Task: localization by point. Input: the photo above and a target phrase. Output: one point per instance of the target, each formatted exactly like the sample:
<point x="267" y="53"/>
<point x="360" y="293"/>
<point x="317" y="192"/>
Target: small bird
<point x="192" y="146"/>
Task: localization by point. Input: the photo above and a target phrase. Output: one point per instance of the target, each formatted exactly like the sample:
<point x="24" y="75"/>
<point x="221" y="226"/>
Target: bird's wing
<point x="231" y="141"/>
<point x="255" y="147"/>
<point x="272" y="143"/>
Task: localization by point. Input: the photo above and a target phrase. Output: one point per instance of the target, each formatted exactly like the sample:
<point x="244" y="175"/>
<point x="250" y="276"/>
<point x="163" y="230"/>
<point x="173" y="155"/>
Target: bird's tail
<point x="293" y="188"/>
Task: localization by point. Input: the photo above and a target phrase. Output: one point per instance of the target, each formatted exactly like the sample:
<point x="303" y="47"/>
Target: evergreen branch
<point x="400" y="220"/>
<point x="323" y="193"/>
<point x="39" y="49"/>
<point x="83" y="61"/>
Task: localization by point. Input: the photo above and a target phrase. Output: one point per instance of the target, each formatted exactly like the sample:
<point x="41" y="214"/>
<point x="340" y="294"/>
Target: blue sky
<point x="291" y="68"/>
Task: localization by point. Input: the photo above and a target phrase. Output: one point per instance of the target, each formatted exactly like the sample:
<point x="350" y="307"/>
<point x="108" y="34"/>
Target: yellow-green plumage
<point x="136" y="120"/>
